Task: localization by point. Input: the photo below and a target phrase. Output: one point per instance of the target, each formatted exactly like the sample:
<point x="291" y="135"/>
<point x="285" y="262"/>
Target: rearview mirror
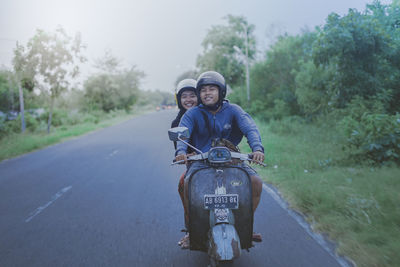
<point x="178" y="132"/>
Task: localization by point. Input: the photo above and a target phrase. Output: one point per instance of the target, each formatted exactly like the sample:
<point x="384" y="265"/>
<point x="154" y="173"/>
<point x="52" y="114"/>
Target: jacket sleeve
<point x="248" y="128"/>
<point x="186" y="121"/>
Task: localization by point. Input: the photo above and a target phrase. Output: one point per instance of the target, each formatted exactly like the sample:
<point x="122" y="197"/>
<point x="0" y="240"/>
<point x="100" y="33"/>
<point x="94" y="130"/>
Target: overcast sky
<point x="162" y="38"/>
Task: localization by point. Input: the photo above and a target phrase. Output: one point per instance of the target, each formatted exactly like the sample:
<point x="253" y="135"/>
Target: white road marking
<point x="54" y="198"/>
<point x="299" y="219"/>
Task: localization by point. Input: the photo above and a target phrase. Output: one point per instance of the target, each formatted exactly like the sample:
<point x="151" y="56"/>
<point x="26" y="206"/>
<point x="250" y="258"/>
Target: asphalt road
<point x="109" y="198"/>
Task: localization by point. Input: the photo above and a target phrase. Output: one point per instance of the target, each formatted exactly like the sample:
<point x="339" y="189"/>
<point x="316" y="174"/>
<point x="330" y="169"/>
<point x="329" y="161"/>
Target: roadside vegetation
<point x="355" y="203"/>
<point x="40" y="103"/>
<point x="67" y="123"/>
<point x="327" y="103"/>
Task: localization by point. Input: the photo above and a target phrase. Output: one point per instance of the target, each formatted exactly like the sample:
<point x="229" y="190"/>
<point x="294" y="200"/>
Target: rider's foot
<point x="257" y="237"/>
<point x="184" y="243"/>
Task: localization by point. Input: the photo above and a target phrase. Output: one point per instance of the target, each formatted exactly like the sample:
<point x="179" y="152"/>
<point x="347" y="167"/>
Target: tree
<point x="112" y="87"/>
<point x="365" y="49"/>
<point x="155" y="98"/>
<point x="274" y="79"/>
<point x="8" y="91"/>
<point x="314" y="86"/>
<point x="20" y="72"/>
<point x="219" y="53"/>
<point x="50" y="58"/>
<point x="108" y="63"/>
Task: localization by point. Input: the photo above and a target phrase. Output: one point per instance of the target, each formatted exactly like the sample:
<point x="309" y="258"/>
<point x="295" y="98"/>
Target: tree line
<point x="346" y="72"/>
<point x="43" y="79"/>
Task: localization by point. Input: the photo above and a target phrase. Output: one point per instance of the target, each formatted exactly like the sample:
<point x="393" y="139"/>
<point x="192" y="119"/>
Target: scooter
<point x="220" y="202"/>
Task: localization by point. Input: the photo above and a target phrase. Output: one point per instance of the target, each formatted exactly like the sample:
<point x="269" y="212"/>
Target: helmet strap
<point x="213" y="107"/>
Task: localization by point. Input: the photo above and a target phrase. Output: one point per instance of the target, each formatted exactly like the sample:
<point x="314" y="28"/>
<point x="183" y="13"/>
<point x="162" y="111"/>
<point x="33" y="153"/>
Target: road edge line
<point x="299" y="218"/>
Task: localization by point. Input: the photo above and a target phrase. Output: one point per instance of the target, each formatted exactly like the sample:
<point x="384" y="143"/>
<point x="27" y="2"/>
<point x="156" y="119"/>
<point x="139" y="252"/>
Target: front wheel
<point x="225" y="263"/>
<point x="215" y="263"/>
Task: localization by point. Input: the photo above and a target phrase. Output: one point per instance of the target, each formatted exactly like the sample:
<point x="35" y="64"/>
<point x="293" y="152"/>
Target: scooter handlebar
<point x="235" y="155"/>
<point x="248" y="157"/>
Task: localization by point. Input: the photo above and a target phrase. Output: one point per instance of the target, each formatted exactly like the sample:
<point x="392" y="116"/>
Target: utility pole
<point x="21" y="105"/>
<point x="247" y="63"/>
<point x="246" y="59"/>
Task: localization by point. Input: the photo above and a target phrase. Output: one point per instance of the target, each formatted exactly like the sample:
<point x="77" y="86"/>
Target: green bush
<point x="359" y="106"/>
<point x="13" y="126"/>
<point x="264" y="111"/>
<point x="31" y="123"/>
<point x="3" y="127"/>
<point x="58" y="118"/>
<point x="90" y="118"/>
<point x="374" y="136"/>
<point x="286" y="126"/>
<point x="281" y="109"/>
<point x="74" y="118"/>
<point x="42" y="126"/>
<point x="99" y="115"/>
<point x="64" y="117"/>
<point x="238" y="96"/>
<point x="259" y="109"/>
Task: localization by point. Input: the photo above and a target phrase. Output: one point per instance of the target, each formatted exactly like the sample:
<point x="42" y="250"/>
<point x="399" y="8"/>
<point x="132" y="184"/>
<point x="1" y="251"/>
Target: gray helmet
<point x="214" y="78"/>
<point x="184" y="85"/>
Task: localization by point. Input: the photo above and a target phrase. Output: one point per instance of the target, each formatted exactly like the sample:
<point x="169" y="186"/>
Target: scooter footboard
<point x="202" y="182"/>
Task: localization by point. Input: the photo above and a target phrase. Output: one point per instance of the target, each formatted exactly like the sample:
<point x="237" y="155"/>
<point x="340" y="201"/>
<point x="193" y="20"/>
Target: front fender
<point x="224" y="242"/>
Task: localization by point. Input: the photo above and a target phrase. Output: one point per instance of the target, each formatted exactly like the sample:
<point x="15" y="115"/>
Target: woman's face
<point x="188" y="99"/>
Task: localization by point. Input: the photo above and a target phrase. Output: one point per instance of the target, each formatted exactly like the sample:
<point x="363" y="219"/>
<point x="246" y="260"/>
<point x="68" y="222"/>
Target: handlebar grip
<point x="261" y="163"/>
<point x="177" y="162"/>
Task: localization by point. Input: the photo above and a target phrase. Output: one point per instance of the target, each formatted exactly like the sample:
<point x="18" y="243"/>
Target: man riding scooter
<point x="215" y="118"/>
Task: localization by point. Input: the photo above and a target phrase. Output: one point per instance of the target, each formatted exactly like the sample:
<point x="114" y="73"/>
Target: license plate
<point x="224" y="201"/>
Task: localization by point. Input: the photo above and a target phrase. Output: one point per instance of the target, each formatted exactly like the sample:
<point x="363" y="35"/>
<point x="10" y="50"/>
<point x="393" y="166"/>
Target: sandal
<point x="257" y="237"/>
<point x="184" y="243"/>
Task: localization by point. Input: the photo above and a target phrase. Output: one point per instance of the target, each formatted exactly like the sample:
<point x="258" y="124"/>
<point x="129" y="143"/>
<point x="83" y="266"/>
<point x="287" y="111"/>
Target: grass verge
<point x="358" y="206"/>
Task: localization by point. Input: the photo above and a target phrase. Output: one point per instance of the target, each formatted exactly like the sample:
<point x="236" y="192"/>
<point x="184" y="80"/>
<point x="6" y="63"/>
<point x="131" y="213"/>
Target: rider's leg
<point x="186" y="193"/>
<point x="256" y="185"/>
<point x="181" y="194"/>
<point x="185" y="241"/>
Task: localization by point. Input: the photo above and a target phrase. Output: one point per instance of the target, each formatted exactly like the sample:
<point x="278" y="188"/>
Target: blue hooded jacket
<point x="231" y="122"/>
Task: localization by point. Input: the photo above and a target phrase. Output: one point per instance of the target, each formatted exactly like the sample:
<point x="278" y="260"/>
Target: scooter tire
<point x="225" y="263"/>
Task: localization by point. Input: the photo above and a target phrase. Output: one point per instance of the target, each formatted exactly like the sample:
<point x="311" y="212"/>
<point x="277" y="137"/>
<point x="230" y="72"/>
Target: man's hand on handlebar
<point x="183" y="157"/>
<point x="258" y="157"/>
<point x="180" y="158"/>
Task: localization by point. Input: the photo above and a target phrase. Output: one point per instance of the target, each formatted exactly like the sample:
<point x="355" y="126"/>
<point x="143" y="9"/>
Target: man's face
<point x="188" y="99"/>
<point x="209" y="94"/>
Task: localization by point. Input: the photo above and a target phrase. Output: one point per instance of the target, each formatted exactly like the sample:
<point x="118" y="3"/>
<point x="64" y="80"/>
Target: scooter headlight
<point x="219" y="155"/>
